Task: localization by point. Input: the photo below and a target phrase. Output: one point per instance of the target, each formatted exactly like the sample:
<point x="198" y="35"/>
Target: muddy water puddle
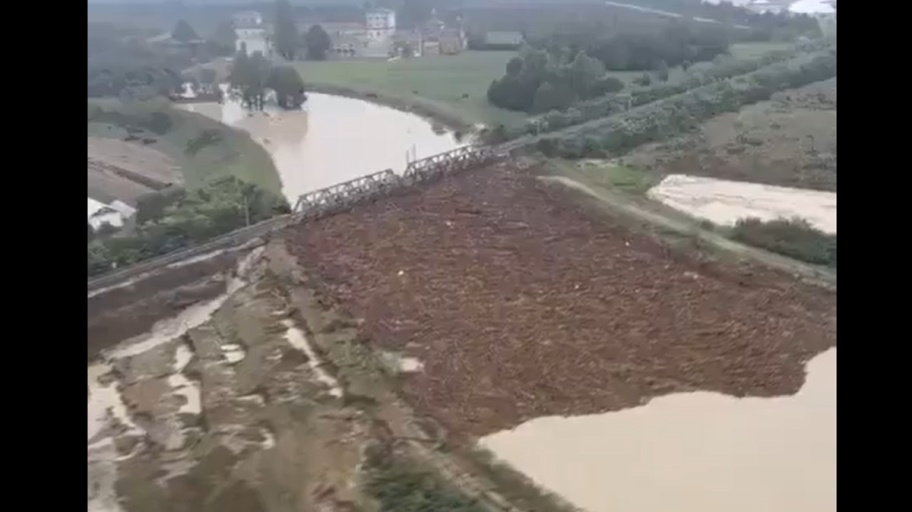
<point x="297" y="339"/>
<point x="333" y="139"/>
<point x="700" y="452"/>
<point x="725" y="202"/>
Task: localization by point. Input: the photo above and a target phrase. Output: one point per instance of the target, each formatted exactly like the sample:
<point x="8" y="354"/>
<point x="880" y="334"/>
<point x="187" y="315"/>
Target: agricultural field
<point x="788" y="141"/>
<point x="126" y="171"/>
<point x="200" y="148"/>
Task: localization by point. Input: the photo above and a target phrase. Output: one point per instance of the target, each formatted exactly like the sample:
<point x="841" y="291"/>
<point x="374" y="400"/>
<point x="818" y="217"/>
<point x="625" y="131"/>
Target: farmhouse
<point x="498" y="39"/>
<point x="370" y="37"/>
<point x="252" y="34"/>
<point x="376" y="35"/>
<point x="431" y="38"/>
<point x="114" y="215"/>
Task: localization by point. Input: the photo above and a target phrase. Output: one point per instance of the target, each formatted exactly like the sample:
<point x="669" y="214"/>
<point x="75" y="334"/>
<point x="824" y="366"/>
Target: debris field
<point x="520" y="303"/>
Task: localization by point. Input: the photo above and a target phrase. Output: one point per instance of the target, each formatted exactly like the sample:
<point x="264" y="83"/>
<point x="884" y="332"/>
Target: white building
<point x="251" y="34"/>
<point x="380" y="24"/>
<point x="106" y="215"/>
<point x="114" y="214"/>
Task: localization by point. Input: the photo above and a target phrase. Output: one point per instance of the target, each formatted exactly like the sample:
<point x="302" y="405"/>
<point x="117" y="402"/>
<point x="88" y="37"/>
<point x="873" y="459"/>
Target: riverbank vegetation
<point x="252" y="76"/>
<point x="794" y="238"/>
<point x="400" y="485"/>
<point x="174" y="219"/>
<point x="679" y="113"/>
<point x="203" y="149"/>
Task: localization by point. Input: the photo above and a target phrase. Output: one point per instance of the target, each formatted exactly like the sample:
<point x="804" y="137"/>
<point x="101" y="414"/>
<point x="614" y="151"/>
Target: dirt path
<point x="619" y="203"/>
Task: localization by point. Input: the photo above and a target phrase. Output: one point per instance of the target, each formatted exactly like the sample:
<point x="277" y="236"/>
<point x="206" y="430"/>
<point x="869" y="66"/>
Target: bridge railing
<point x="321" y="203"/>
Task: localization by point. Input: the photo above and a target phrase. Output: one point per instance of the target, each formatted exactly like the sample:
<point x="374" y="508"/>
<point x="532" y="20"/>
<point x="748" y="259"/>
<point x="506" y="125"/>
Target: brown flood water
<point x="333" y="139"/>
<point x="693" y="452"/>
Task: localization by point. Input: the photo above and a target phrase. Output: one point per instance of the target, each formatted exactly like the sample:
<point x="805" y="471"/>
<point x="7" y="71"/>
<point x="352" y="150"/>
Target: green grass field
<point x="203" y="148"/>
<point x="436" y="84"/>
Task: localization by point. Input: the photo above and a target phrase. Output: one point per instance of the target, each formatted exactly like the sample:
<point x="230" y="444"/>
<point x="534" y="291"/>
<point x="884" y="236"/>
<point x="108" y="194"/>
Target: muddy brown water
<point x="700" y="452"/>
<point x="333" y="139"/>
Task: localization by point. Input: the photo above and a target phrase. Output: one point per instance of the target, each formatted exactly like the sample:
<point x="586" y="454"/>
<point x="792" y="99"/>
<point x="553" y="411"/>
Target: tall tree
<point x="249" y="77"/>
<point x="286" y="34"/>
<point x="225" y="36"/>
<point x="585" y="72"/>
<point x="288" y="86"/>
<point x="183" y="32"/>
<point x="317" y="42"/>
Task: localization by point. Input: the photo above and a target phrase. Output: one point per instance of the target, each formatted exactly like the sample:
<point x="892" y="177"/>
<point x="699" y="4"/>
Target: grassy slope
<point x="234" y="153"/>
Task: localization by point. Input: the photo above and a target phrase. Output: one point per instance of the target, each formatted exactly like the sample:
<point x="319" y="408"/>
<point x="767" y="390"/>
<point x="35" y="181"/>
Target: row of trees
<point x="173" y="219"/>
<point x="674" y="43"/>
<point x="682" y="112"/>
<point x="565" y="68"/>
<point x="313" y="44"/>
<point x="539" y="81"/>
<point x="614" y="103"/>
<point x="251" y="77"/>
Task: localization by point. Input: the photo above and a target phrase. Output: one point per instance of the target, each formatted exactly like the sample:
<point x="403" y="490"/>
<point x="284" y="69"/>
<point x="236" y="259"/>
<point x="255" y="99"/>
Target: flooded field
<point x="224" y="407"/>
<point x="700" y="452"/>
<point x="725" y="202"/>
<point x="333" y="139"/>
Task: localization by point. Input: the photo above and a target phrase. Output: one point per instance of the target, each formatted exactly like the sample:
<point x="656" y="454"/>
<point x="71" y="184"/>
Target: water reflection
<point x="334" y="139"/>
<point x="700" y="452"/>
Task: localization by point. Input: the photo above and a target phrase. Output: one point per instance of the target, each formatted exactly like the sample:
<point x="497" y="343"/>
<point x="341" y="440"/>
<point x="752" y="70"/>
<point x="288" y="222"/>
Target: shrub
<point x="607" y="85"/>
<point x="400" y="486"/>
<point x="794" y="238"/>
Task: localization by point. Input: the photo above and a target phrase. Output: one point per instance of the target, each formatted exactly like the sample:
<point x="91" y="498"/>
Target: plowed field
<point x="520" y="304"/>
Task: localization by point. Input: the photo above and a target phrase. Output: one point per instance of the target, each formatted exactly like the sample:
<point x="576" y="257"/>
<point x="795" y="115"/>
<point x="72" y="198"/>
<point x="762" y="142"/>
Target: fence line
<point x="320" y="203"/>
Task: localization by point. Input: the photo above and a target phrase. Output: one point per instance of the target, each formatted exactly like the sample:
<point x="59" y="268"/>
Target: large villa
<point x="374" y="36"/>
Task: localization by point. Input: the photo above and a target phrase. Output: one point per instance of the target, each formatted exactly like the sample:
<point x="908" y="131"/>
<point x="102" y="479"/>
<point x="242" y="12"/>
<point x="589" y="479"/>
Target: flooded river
<point x="694" y="452"/>
<point x="333" y="139"/>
